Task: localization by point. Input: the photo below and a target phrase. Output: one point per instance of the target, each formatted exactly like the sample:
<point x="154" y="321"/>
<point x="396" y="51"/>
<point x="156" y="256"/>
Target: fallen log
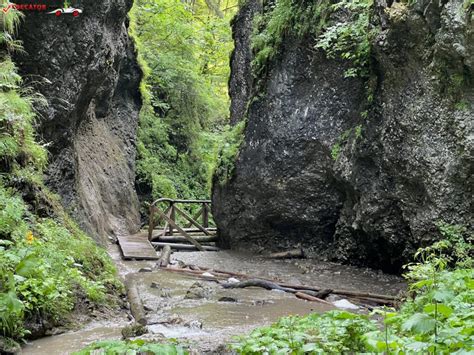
<point x="258" y="283"/>
<point x="164" y="257"/>
<point x="180" y="238"/>
<point x="320" y="294"/>
<point x="310" y="298"/>
<point x="136" y="306"/>
<point x="178" y="246"/>
<point x="311" y="290"/>
<point x="290" y="254"/>
<point x="304" y="288"/>
<point x="196" y="272"/>
<point x="344" y="292"/>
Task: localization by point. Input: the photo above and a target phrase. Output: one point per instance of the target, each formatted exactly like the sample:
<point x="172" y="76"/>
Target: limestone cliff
<point x="85" y="67"/>
<point x="400" y="167"/>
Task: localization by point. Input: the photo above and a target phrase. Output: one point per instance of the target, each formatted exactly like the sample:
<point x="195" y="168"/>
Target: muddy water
<point x="206" y="323"/>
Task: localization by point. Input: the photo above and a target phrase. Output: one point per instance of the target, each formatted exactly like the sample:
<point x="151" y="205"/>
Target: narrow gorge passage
<point x="236" y="177"/>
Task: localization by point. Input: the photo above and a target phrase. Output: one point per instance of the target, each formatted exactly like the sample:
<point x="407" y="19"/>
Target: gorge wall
<point x="361" y="187"/>
<point x="86" y="69"/>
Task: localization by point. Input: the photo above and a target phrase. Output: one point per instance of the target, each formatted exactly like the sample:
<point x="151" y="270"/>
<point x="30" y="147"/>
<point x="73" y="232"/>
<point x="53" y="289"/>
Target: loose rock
<point x="198" y="291"/>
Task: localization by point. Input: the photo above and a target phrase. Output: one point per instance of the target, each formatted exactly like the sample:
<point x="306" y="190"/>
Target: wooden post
<point x="151" y="222"/>
<point x="172" y="217"/>
<point x="205" y="215"/>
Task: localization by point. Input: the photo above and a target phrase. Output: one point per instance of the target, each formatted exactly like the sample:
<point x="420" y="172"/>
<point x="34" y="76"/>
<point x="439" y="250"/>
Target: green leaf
<point x="419" y="323"/>
<point x="443" y="295"/>
<point x="440" y="308"/>
<point x="27" y="265"/>
<point x="310" y="347"/>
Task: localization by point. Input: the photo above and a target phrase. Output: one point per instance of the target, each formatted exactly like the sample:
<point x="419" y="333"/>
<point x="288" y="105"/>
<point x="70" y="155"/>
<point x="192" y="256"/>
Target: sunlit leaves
<point x="184" y="48"/>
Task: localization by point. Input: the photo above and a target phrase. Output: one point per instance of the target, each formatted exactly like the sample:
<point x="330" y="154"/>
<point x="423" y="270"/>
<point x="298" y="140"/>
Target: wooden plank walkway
<point x="137" y="247"/>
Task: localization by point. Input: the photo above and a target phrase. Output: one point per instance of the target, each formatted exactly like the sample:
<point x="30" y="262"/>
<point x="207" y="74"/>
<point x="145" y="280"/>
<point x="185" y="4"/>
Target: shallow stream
<point x="207" y="323"/>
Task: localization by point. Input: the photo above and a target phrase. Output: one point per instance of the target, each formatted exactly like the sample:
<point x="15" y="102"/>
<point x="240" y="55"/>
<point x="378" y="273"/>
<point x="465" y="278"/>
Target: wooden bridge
<point x="170" y="224"/>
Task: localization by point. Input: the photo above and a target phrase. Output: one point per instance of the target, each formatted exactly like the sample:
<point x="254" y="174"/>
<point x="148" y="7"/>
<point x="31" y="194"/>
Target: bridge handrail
<point x="169" y="216"/>
<point x="172" y="200"/>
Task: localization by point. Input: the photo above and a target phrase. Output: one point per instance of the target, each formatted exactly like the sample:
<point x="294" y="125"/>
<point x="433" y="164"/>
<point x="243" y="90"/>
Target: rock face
<point x="240" y="83"/>
<point x="86" y="69"/>
<point x="400" y="170"/>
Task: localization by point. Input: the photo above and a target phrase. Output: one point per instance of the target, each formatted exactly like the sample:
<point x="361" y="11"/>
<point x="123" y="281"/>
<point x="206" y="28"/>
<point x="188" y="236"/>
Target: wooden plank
<point x="190" y="220"/>
<point x="136" y="247"/>
<point x="180" y="230"/>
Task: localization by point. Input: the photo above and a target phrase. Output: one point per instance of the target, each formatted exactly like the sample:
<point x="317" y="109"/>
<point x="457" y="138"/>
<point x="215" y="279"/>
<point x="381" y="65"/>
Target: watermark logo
<point x="59" y="11"/>
<point x="69" y="10"/>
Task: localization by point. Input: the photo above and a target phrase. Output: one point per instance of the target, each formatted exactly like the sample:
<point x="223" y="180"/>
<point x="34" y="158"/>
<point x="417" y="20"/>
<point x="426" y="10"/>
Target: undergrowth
<point x="131" y="347"/>
<point x="437" y="317"/>
<point x="47" y="264"/>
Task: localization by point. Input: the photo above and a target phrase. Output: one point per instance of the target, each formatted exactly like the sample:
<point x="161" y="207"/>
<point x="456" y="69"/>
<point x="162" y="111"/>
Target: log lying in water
<point x="180" y="238"/>
<point x="310" y="290"/>
<point x="355" y="294"/>
<point x="372" y="297"/>
<point x="164" y="257"/>
<point x="136" y="306"/>
<point x="273" y="286"/>
<point x="258" y="283"/>
<point x="290" y="254"/>
<point x="310" y="298"/>
<point x="178" y="246"/>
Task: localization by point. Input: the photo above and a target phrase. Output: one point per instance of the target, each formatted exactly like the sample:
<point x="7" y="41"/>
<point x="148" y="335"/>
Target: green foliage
<point x="341" y="140"/>
<point x="351" y="39"/>
<point x="283" y="19"/>
<point x="229" y="151"/>
<point x="332" y="332"/>
<point x="44" y="267"/>
<point x="437" y="319"/>
<point x="18" y="148"/>
<point x="183" y="50"/>
<point x="131" y="347"/>
<point x="46" y="264"/>
<point x="8" y="25"/>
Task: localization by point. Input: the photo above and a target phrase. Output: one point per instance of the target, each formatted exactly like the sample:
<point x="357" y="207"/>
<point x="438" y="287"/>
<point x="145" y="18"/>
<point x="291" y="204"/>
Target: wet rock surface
<point x="86" y="69"/>
<point x="198" y="290"/>
<point x="409" y="167"/>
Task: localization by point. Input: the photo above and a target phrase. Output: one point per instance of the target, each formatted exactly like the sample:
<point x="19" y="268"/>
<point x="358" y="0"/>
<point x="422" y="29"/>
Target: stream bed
<point x="203" y="314"/>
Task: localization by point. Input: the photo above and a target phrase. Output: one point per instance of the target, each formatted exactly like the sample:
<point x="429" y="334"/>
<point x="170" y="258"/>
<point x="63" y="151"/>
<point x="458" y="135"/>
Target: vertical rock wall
<point x="86" y="69"/>
<point x="409" y="166"/>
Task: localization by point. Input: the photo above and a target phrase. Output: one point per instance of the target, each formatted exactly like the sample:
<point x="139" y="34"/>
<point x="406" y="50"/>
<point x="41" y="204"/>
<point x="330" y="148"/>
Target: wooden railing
<point x="169" y="217"/>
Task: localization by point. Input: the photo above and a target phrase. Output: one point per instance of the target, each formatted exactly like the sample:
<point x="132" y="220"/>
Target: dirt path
<point x="204" y="320"/>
